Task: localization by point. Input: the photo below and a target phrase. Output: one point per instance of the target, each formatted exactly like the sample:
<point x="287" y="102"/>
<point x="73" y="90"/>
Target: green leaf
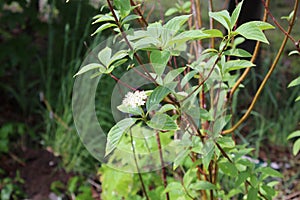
<point x="222" y="17"/>
<point x="252" y="194"/>
<point x="298" y="98"/>
<point x="189" y="176"/>
<point x="104" y="18"/>
<point x="89" y="67"/>
<point x="103" y="27"/>
<point x="115" y="133"/>
<point x="104" y="56"/>
<point x="171" y="11"/>
<point x="6" y="191"/>
<point x="162" y="122"/>
<point x="241" y="178"/>
<point x="208" y="151"/>
<point x="124" y="7"/>
<point x="294" y="134"/>
<point x="130" y="18"/>
<point x="268" y="190"/>
<point x="188" y="77"/>
<point x="253" y="31"/>
<point x="203" y="185"/>
<point x="295" y="82"/>
<point x="262" y="25"/>
<point x="189" y="35"/>
<point x="117" y="56"/>
<point x="131" y="110"/>
<point x="294" y="52"/>
<point x="214" y="33"/>
<point x="296" y="147"/>
<point x="166" y="108"/>
<point x="146" y="43"/>
<point x="159" y="60"/>
<point x="237" y="53"/>
<point x="235" y="14"/>
<point x="118" y="63"/>
<point x="176" y="23"/>
<point x="270" y="172"/>
<point x="237" y="64"/>
<point x="226" y="142"/>
<point x="72" y="184"/>
<point x="158" y="94"/>
<point x="181" y="158"/>
<point x="173" y="74"/>
<point x="228" y="168"/>
<point x="174" y="186"/>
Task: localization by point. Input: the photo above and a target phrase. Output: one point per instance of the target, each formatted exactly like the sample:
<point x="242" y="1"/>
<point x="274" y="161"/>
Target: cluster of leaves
<point x="75" y="188"/>
<point x="204" y="156"/>
<point x="295" y="134"/>
<point x="10" y="187"/>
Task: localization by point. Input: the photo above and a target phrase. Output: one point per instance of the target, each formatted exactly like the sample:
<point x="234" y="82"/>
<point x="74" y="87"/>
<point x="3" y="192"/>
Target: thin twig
<point x="279" y="26"/>
<point x="138" y="11"/>
<point x="137" y="166"/>
<point x="273" y="66"/>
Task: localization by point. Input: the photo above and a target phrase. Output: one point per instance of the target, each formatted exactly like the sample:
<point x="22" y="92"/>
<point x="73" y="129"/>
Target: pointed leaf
<point x="159" y="60"/>
<point x="222" y="17"/>
<point x="118" y="63"/>
<point x="237" y="53"/>
<point x="131" y="110"/>
<point x="104" y="56"/>
<point x="162" y="122"/>
<point x="166" y="108"/>
<point x="228" y="168"/>
<point x="117" y="56"/>
<point x="176" y="23"/>
<point x="295" y="82"/>
<point x="270" y="172"/>
<point x="89" y="67"/>
<point x="156" y="97"/>
<point x="208" y="151"/>
<point x="130" y="18"/>
<point x="189" y="35"/>
<point x="235" y="14"/>
<point x="188" y="77"/>
<point x="104" y="18"/>
<point x="237" y="64"/>
<point x="103" y="27"/>
<point x="124" y="7"/>
<point x="252" y="194"/>
<point x="214" y="33"/>
<point x="173" y="74"/>
<point x="241" y="178"/>
<point x="253" y="31"/>
<point x="181" y="158"/>
<point x="296" y="147"/>
<point x="294" y="134"/>
<point x="116" y="132"/>
<point x="203" y="185"/>
<point x="171" y="11"/>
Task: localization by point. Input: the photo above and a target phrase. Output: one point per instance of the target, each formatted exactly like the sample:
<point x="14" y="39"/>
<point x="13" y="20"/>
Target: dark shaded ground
<point x="39" y="168"/>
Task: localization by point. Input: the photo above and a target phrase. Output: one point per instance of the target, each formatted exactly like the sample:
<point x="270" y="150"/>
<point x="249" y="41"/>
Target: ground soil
<point x="38" y="167"/>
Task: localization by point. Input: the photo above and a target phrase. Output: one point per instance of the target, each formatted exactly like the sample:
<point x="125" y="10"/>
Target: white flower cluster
<point x="134" y="99"/>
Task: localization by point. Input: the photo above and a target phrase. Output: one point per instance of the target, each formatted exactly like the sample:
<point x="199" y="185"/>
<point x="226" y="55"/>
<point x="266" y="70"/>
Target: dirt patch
<point x="39" y="169"/>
